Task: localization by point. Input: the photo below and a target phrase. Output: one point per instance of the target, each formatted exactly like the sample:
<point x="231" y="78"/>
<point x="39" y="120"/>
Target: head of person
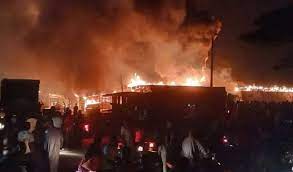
<point x="168" y="124"/>
<point x="33" y="122"/>
<point x="190" y="133"/>
<point x="57" y="122"/>
<point x="53" y="109"/>
<point x="124" y="123"/>
<point x="50" y="124"/>
<point x="26" y="126"/>
<point x="13" y="120"/>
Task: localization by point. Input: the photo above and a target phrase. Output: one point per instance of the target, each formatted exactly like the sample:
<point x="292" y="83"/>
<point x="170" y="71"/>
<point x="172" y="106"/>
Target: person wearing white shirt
<point x="190" y="147"/>
<point x="163" y="155"/>
<point x="53" y="144"/>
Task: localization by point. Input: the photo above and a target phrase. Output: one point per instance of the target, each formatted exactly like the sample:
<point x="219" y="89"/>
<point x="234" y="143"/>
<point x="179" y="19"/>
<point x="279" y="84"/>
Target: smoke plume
<point x="91" y="44"/>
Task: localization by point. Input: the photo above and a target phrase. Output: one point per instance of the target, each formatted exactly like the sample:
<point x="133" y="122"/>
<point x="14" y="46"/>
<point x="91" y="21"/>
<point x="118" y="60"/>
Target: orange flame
<point x="90" y="102"/>
<point x="136" y="80"/>
<point x="278" y="89"/>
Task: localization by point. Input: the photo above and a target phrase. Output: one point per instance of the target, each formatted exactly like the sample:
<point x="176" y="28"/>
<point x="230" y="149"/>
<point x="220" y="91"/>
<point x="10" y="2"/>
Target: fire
<point x="90" y="102"/>
<point x="278" y="89"/>
<point x="136" y="80"/>
<point x="95" y="99"/>
<point x="76" y="95"/>
<point x="192" y="82"/>
<point x="56" y="96"/>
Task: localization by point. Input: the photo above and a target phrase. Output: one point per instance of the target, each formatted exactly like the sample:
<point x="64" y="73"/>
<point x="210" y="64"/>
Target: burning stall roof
<point x="160" y="101"/>
<point x="265" y="94"/>
<point x="171" y="88"/>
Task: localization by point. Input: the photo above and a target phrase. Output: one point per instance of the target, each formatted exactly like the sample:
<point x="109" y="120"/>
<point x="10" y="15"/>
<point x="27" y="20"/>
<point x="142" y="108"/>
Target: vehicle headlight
<point x="139" y="148"/>
<point x="5" y="152"/>
<point x="5" y="141"/>
<point x="1" y="126"/>
<point x="151" y="145"/>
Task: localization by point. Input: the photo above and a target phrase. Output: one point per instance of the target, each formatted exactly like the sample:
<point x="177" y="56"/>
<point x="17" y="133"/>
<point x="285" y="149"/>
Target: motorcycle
<point x="224" y="154"/>
<point x="146" y="157"/>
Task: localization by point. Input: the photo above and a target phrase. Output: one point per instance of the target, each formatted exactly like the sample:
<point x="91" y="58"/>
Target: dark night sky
<point x="251" y="61"/>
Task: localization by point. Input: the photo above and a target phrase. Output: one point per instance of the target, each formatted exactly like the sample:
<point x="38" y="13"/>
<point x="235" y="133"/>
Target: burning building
<point x="60" y="102"/>
<point x="94" y="102"/>
<point x="265" y="94"/>
<point x="156" y="103"/>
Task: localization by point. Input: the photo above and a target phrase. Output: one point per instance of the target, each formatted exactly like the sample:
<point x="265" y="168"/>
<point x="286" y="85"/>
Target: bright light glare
<point x="87" y="128"/>
<point x="140" y="148"/>
<point x="225" y="140"/>
<point x="2" y="126"/>
<point x="152" y="145"/>
<point x="192" y="82"/>
<point x="278" y="89"/>
<point x="71" y="153"/>
<point x="5" y="152"/>
<point x="136" y="80"/>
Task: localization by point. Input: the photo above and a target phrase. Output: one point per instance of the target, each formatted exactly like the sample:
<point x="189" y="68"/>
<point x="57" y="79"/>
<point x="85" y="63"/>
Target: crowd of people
<point x="34" y="141"/>
<point x="257" y="128"/>
<point x="174" y="151"/>
<point x="260" y="129"/>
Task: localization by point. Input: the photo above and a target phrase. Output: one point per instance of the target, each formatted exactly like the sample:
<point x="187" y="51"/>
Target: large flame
<point x="277" y="89"/>
<point x="89" y="101"/>
<point x="95" y="99"/>
<point x="136" y="80"/>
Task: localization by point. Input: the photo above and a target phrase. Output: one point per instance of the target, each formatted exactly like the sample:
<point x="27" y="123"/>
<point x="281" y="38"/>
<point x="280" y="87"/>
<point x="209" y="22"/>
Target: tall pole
<point x="121" y="83"/>
<point x="212" y="63"/>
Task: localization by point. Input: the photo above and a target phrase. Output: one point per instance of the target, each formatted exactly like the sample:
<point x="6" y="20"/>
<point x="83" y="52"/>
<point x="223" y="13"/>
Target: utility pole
<point x="121" y="83"/>
<point x="212" y="62"/>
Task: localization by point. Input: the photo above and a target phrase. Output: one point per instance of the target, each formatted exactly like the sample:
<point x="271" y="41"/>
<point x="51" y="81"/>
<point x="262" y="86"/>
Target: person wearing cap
<point x="53" y="143"/>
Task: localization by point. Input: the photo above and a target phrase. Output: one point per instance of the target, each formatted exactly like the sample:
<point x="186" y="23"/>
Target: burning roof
<point x="265" y="93"/>
<point x="180" y="81"/>
<point x="168" y="89"/>
<point x="275" y="89"/>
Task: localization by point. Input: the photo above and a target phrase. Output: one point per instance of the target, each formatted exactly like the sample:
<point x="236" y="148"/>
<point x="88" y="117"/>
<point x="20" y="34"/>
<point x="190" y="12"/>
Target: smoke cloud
<point x="80" y="45"/>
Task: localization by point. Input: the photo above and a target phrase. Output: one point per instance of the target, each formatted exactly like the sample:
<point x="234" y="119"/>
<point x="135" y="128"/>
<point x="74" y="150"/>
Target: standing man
<point x="162" y="153"/>
<point x="127" y="137"/>
<point x="192" y="151"/>
<point x="53" y="144"/>
<point x="126" y="134"/>
<point x="68" y="128"/>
